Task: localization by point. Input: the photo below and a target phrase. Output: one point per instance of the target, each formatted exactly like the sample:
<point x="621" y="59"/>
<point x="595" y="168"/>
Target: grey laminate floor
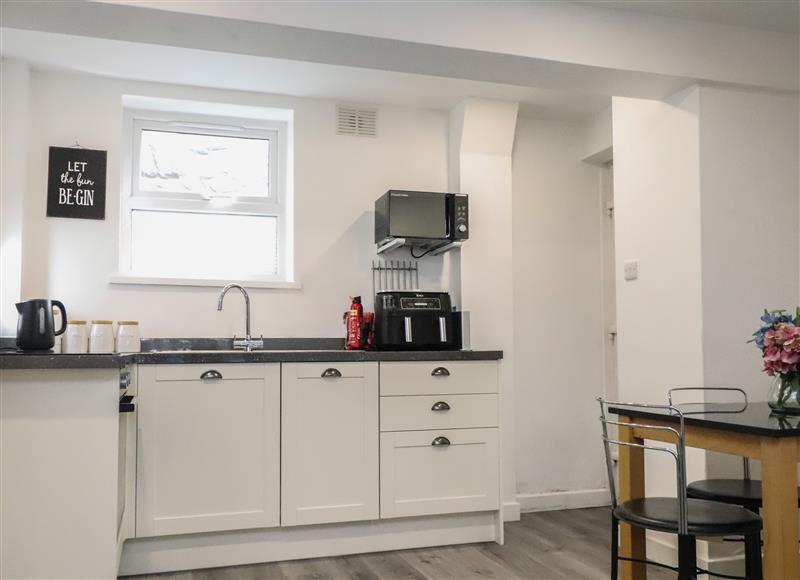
<point x="571" y="544"/>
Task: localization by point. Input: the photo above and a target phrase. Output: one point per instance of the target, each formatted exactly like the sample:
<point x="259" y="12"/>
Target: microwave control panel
<point x="460" y="217"/>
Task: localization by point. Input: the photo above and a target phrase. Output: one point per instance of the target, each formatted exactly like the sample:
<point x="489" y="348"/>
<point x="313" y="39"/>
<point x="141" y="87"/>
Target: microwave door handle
<point x="409" y="336"/>
<point x="442" y="329"/>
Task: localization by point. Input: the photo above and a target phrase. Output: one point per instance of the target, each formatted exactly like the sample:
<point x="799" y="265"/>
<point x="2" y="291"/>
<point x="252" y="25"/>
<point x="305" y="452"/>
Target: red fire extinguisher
<point x="354" y="320"/>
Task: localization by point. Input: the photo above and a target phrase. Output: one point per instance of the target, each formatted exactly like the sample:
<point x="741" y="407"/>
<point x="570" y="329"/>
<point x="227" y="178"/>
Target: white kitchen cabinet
<point x="439" y="472"/>
<point x="208" y="456"/>
<point x="329" y="452"/>
<point x="439" y="437"/>
<point x="58" y="473"/>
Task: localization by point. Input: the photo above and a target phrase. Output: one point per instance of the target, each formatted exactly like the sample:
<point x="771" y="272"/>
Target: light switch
<point x="631" y="269"/>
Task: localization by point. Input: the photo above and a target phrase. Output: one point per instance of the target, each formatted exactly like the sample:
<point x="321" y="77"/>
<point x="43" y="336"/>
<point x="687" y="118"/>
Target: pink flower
<point x="792" y="340"/>
<point x="785" y="332"/>
<point x="790" y="358"/>
<point x="769" y="338"/>
<point x="779" y="341"/>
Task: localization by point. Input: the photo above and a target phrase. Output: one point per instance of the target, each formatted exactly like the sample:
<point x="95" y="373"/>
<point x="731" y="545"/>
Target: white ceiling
<point x="775" y="15"/>
<point x="140" y="44"/>
<point x="175" y="65"/>
<point x="502" y="41"/>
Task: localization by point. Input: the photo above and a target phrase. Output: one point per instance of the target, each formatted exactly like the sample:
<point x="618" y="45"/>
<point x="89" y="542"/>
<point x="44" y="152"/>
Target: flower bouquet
<point x="779" y="342"/>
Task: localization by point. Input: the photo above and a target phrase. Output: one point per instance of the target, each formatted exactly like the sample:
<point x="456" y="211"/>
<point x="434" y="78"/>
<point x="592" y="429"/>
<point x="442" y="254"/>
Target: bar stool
<point x="684" y="517"/>
<point x="745" y="492"/>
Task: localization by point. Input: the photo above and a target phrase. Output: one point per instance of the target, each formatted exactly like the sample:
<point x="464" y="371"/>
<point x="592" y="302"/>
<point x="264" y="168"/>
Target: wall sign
<point x="76" y="183"/>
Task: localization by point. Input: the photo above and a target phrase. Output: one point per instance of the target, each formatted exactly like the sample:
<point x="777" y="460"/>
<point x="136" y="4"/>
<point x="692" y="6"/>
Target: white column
<point x="482" y="139"/>
<point x="14" y="83"/>
<point x="657" y="221"/>
<point x="657" y="224"/>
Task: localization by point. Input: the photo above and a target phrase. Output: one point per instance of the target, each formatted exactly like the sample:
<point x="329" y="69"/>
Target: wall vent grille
<point x="356" y="121"/>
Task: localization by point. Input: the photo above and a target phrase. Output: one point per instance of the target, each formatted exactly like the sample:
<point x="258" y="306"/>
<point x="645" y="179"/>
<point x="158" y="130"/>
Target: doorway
<point x="609" y="283"/>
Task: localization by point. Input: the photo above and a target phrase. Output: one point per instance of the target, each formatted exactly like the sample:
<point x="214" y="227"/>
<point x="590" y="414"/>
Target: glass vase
<point x="784" y="394"/>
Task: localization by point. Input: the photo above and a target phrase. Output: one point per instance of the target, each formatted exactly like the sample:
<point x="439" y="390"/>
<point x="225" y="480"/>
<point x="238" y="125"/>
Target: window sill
<point x="201" y="282"/>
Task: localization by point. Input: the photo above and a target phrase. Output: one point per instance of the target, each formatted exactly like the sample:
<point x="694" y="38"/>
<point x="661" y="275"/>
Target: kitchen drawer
<point x="347" y="370"/>
<point x="414" y="413"/>
<point x="438" y="378"/>
<point x="419" y="478"/>
<point x="194" y="372"/>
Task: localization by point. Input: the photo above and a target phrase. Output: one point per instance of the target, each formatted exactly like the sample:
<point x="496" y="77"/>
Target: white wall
<point x="749" y="180"/>
<point x="336" y="182"/>
<point x="14" y="94"/>
<point x="558" y="328"/>
<point x="598" y="146"/>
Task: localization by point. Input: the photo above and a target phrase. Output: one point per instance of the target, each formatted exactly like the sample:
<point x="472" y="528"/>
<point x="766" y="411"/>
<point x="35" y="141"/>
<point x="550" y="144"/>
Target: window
<point x="205" y="200"/>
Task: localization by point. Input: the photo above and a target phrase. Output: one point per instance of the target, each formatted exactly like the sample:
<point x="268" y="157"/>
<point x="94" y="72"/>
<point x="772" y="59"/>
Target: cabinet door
<point x="329" y="452"/>
<point x="439" y="472"/>
<point x="208" y="453"/>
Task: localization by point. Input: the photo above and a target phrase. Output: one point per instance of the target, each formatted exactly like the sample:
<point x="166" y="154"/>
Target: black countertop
<point x="754" y="418"/>
<point x="48" y="360"/>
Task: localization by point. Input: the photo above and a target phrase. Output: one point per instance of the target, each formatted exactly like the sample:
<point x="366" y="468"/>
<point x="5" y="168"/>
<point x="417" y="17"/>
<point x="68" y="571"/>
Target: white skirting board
<point x="563" y="500"/>
<point x="193" y="551"/>
<point x="511" y="511"/>
<point x="664" y="552"/>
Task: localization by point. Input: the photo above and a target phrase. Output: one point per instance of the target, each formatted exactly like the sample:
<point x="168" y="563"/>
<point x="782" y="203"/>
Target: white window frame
<point x="278" y="203"/>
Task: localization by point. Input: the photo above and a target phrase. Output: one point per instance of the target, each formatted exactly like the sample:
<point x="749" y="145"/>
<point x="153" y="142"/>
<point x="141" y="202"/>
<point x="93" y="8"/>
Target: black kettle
<point x="35" y="324"/>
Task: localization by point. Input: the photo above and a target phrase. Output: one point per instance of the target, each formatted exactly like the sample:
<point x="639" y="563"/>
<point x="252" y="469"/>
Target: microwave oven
<point x="421" y="218"/>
